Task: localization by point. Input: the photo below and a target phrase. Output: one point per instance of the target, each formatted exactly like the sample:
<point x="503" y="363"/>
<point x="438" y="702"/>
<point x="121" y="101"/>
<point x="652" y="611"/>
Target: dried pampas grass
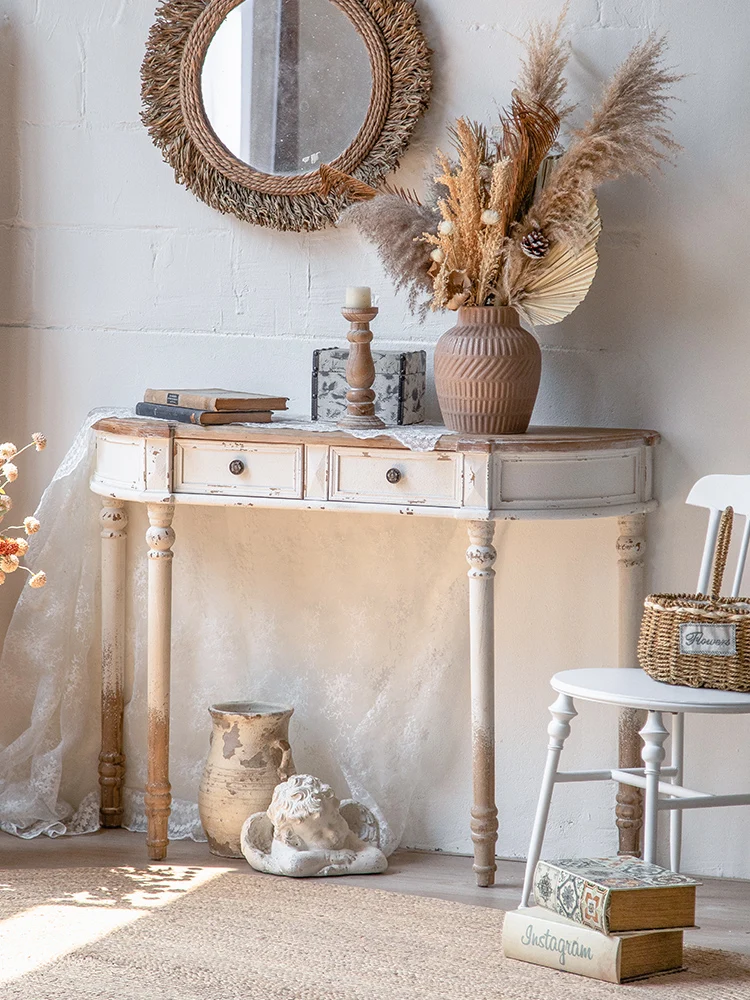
<point x="394" y="225"/>
<point x="626" y="134"/>
<point x="541" y="79"/>
<point x="485" y="191"/>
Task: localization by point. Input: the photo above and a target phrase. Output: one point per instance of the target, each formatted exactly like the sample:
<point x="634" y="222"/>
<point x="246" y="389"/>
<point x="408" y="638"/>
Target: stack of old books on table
<point x="614" y="919"/>
<point x="209" y="406"/>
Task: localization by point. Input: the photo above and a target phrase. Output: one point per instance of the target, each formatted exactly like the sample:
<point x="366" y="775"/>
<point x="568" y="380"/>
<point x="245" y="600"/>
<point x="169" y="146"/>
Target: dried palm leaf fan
<point x="563" y="283"/>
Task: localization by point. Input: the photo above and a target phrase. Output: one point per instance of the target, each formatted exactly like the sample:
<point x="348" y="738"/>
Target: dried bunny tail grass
<point x="541" y="78"/>
<point x="162" y="114"/>
<point x="625" y="135"/>
<point x="395" y="227"/>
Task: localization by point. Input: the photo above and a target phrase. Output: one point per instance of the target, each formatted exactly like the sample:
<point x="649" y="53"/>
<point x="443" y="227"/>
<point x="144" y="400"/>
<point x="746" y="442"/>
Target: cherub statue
<point x="307" y="831"/>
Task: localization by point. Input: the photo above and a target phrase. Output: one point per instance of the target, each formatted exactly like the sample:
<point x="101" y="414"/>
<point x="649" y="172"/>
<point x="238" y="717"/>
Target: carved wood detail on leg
<point x="113" y="519"/>
<point x="631" y="546"/>
<point x="160" y="538"/>
<point x="481" y="557"/>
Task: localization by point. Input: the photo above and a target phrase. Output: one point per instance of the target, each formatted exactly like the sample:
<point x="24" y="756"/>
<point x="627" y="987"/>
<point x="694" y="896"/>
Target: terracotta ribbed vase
<point x="487" y="371"/>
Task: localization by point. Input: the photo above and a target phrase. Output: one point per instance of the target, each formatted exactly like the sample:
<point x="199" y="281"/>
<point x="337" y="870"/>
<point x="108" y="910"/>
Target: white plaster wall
<point x="113" y="278"/>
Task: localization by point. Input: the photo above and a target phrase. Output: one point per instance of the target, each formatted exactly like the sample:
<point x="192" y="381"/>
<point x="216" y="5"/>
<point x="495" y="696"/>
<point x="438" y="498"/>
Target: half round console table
<point x="547" y="473"/>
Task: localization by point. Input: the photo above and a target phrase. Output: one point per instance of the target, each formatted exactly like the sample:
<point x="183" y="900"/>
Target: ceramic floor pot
<point x="249" y="756"/>
<point x="487" y="371"/>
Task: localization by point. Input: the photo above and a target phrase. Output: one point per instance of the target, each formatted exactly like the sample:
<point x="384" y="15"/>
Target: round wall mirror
<point x="284" y="111"/>
<point x="286" y="84"/>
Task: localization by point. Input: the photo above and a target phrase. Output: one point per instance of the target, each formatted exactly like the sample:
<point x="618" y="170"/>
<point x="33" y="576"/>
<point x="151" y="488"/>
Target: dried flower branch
<point x="529" y="132"/>
<point x="12" y="550"/>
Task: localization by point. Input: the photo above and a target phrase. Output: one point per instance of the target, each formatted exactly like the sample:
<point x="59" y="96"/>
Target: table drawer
<point x="374" y="475"/>
<point x="227" y="467"/>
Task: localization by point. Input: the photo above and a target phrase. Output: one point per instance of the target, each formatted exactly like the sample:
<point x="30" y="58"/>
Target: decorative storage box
<point x="399" y="385"/>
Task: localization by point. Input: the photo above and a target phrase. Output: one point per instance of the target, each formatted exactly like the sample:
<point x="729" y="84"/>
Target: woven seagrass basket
<point x="696" y="639"/>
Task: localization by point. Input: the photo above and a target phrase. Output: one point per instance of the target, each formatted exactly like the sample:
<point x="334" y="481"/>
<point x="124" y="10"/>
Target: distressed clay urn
<point x="248" y="757"/>
<point x="487" y="371"/>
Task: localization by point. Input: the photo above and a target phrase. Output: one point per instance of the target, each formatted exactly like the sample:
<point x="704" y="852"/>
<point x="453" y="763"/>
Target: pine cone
<point x="535" y="244"/>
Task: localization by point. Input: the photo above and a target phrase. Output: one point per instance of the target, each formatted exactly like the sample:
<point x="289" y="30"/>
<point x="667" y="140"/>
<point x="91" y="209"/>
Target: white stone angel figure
<point x="307" y="831"/>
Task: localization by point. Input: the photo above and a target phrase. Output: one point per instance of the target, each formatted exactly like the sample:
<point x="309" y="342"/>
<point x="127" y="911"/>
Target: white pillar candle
<point x="358" y="298"/>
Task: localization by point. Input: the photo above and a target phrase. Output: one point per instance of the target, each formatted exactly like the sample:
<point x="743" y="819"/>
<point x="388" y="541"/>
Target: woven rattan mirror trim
<point x="176" y="119"/>
<point x="226" y="162"/>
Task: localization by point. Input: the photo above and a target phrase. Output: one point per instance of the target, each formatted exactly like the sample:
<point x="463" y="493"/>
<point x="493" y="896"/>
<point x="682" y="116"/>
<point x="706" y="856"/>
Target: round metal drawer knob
<point x="237" y="467"/>
<point x="393" y="476"/>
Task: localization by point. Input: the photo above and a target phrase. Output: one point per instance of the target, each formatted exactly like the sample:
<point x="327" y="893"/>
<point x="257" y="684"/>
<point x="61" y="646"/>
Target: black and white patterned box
<point x="399" y="385"/>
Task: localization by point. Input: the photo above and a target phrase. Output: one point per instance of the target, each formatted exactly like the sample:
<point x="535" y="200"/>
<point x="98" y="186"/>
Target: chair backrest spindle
<point x="741" y="559"/>
<point x="717" y="493"/>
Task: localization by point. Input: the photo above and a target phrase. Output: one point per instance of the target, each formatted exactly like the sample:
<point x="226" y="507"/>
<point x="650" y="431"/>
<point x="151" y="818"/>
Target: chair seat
<point x="633" y="688"/>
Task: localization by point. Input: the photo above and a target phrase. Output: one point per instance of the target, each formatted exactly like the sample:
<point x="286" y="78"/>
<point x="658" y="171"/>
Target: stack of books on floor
<point x="209" y="406"/>
<point x="614" y="919"/>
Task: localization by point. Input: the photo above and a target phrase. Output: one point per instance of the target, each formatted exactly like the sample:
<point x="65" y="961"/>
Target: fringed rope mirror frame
<point x="176" y="119"/>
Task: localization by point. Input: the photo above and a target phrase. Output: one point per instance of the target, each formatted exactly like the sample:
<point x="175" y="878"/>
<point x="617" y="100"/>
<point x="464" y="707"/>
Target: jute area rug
<point x="170" y="933"/>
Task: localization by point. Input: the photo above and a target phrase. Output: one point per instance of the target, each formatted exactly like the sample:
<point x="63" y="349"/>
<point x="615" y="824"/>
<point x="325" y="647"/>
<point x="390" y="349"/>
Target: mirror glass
<point x="286" y="84"/>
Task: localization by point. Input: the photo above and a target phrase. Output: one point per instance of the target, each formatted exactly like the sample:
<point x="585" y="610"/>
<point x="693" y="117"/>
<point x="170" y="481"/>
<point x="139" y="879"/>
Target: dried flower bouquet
<point x="12" y="550"/>
<point x="508" y="222"/>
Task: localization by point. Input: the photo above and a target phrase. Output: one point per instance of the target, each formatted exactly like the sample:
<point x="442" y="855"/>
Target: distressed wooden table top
<point x="537" y="438"/>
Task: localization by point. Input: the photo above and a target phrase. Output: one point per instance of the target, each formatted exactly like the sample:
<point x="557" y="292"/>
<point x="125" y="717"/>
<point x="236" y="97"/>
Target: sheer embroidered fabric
<point x="350" y="619"/>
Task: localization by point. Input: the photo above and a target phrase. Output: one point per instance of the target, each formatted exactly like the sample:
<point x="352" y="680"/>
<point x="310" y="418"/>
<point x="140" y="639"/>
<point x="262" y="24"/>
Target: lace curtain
<point x="348" y="618"/>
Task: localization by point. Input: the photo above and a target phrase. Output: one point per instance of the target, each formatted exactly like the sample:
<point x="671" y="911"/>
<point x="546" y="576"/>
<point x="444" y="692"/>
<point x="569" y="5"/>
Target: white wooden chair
<point x="635" y="689"/>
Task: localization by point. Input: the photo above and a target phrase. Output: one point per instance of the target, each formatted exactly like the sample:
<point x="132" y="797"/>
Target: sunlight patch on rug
<point x="41" y="934"/>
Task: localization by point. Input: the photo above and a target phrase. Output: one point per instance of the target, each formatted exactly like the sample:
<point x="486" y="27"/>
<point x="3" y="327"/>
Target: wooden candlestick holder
<point x="360" y="371"/>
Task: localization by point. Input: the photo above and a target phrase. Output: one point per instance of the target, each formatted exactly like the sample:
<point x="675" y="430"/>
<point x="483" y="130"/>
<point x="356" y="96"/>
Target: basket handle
<point x="722" y="549"/>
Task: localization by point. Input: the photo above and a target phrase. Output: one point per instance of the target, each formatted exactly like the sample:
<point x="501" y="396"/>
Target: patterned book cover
<point x="581" y="888"/>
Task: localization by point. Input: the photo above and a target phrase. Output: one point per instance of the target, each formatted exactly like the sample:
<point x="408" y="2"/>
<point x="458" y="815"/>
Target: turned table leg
<point x="481" y="557"/>
<point x="631" y="545"/>
<point x="114" y="522"/>
<point x="160" y="538"/>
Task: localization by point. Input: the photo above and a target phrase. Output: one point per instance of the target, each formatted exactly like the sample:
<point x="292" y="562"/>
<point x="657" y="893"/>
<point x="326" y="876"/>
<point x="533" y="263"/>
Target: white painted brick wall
<point x="112" y="278"/>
